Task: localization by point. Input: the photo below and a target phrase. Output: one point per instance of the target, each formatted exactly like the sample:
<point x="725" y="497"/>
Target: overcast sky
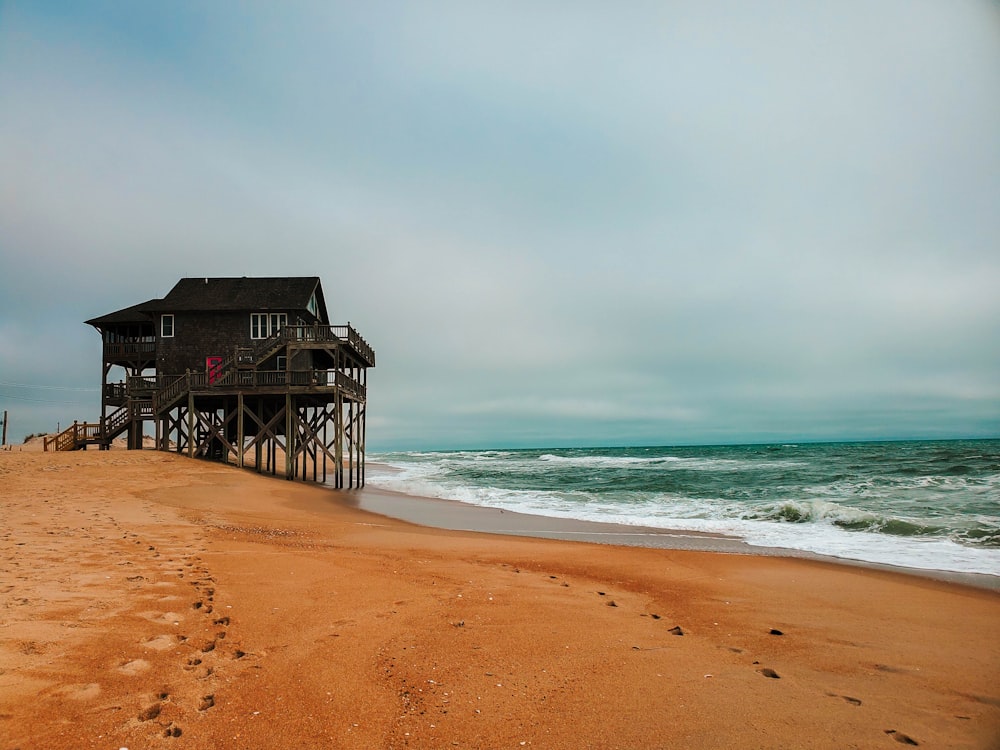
<point x="558" y="223"/>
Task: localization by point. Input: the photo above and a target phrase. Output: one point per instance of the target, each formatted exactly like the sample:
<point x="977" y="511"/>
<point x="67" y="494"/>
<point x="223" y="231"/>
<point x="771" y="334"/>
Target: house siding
<point x="198" y="335"/>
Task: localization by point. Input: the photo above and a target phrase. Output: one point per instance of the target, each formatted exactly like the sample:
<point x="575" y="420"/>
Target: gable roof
<point x="200" y="295"/>
<point x="226" y="294"/>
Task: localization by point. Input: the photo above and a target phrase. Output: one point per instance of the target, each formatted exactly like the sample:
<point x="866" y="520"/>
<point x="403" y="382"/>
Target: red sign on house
<point x="213" y="366"/>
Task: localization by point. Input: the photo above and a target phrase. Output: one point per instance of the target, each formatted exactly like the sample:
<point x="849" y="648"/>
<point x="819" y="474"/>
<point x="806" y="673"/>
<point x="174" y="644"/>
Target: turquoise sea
<point x="929" y="504"/>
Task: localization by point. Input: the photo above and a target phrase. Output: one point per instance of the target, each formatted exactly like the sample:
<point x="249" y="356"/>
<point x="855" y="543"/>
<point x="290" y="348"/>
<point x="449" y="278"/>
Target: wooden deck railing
<point x="292" y="334"/>
<point x="135" y="387"/>
<point x="129" y="349"/>
<point x="179" y="385"/>
<point x="115" y="391"/>
<point x="351" y="385"/>
<point x="354" y="339"/>
<point x="139" y="384"/>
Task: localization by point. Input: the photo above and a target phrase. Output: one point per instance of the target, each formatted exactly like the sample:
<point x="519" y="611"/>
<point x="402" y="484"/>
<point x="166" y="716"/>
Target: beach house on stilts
<point x="247" y="371"/>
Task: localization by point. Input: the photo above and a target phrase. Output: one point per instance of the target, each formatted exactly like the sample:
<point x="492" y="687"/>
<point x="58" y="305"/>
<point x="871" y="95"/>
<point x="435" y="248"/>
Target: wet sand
<point x="149" y="600"/>
<point x="457" y="516"/>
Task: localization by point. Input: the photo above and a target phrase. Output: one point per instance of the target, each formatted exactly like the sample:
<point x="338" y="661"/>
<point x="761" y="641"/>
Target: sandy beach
<point x="148" y="600"/>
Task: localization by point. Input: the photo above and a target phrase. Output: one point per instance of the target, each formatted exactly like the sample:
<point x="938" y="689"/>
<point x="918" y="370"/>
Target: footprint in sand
<point x="134" y="667"/>
<point x="81" y="692"/>
<point x="163" y="618"/>
<point x="150" y="712"/>
<point x="901" y="738"/>
<point x="161" y="642"/>
<point x="891" y="670"/>
<point x="849" y="699"/>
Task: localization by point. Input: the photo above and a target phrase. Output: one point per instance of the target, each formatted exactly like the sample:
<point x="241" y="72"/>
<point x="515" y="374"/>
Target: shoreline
<point x="455" y="515"/>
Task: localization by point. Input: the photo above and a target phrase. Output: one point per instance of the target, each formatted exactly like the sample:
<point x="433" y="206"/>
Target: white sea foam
<point x="665" y="462"/>
<point x="875" y="515"/>
<point x="816" y="530"/>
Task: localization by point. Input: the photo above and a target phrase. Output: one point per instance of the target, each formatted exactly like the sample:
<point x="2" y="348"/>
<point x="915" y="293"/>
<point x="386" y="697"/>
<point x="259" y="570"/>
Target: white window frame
<point x="264" y="325"/>
<point x="164" y="327"/>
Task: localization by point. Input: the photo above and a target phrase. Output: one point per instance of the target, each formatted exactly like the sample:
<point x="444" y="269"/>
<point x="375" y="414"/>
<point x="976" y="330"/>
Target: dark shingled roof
<point x="198" y="295"/>
<point x="227" y="294"/>
<point x="134" y="314"/>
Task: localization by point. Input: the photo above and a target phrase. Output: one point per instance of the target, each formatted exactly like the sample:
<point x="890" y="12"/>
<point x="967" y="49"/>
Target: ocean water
<point x="932" y="505"/>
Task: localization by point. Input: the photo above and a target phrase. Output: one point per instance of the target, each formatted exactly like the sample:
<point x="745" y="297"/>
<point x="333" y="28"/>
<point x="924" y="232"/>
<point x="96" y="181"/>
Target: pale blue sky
<point x="557" y="223"/>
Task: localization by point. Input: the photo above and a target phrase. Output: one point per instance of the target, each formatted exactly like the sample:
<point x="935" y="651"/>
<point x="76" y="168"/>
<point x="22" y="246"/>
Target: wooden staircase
<point x="74" y="437"/>
<point x="81" y="434"/>
<point x="119" y="420"/>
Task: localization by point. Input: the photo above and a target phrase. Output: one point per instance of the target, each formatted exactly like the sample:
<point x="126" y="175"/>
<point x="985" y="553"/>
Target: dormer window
<point x="265" y="325"/>
<point x="167" y="326"/>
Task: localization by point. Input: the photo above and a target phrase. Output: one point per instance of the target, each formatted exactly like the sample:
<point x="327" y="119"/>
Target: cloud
<point x="653" y="223"/>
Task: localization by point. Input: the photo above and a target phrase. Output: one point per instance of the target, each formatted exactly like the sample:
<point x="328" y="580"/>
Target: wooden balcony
<point x="343" y="335"/>
<point x="142" y="385"/>
<point x="138" y="349"/>
<point x="320" y="382"/>
<point x="318" y="335"/>
<point x="354" y="339"/>
<point x="135" y="387"/>
<point x="115" y="393"/>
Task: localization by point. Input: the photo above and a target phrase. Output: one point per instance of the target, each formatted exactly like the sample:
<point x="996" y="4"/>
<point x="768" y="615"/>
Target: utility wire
<point x="48" y="387"/>
<point x="38" y="400"/>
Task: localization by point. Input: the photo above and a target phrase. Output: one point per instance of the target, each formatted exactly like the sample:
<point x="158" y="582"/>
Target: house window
<point x="265" y="325"/>
<point x="167" y="326"/>
<point x="312" y="306"/>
